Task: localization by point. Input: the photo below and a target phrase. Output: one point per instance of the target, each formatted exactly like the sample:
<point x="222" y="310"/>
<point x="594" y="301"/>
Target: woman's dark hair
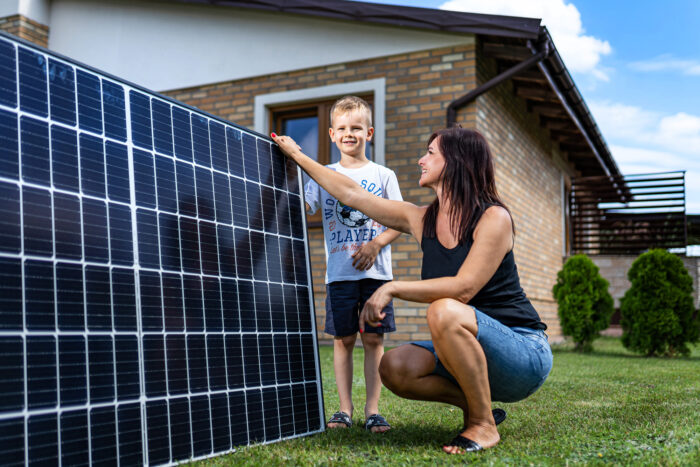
<point x="467" y="181"/>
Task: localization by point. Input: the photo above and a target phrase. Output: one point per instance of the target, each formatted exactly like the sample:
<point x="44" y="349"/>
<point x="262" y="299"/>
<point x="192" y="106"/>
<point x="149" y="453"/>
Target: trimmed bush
<point x="585" y="305"/>
<point x="657" y="312"/>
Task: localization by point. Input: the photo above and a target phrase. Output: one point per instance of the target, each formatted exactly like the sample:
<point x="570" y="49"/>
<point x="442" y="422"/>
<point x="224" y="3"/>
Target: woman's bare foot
<point x="485" y="435"/>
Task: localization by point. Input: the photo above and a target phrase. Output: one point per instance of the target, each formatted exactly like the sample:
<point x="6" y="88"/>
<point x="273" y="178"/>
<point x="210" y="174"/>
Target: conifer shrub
<point x="585" y="305"/>
<point x="657" y="313"/>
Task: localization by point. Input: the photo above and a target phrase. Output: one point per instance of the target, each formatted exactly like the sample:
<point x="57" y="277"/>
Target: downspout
<point x="469" y="97"/>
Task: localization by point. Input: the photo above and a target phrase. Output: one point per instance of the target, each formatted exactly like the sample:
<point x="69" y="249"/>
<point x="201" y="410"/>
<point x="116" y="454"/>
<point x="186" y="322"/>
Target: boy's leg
<point x="342" y="324"/>
<point x="373" y="344"/>
<point x="342" y="365"/>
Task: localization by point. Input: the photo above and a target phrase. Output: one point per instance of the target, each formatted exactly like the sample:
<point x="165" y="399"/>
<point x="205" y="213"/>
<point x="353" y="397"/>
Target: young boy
<point x="357" y="261"/>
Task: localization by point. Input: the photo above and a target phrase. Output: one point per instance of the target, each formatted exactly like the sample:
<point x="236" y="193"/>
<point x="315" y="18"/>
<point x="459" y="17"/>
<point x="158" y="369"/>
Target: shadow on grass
<point x="401" y="436"/>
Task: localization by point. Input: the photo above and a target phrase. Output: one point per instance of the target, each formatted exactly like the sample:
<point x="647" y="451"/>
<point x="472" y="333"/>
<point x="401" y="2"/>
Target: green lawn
<point x="609" y="408"/>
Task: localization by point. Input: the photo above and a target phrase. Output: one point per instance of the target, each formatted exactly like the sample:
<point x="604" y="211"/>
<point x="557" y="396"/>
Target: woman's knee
<point x="389" y="367"/>
<point x="447" y="314"/>
<point x="399" y="366"/>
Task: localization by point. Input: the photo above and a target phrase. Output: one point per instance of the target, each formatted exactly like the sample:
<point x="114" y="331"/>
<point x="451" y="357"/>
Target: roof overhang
<point x="402" y="16"/>
<point x="548" y="89"/>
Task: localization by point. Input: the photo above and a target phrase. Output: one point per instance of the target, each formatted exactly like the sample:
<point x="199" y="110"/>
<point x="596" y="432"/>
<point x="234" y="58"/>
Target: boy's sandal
<point x="464" y="443"/>
<point x="341" y="417"/>
<point x="375" y="420"/>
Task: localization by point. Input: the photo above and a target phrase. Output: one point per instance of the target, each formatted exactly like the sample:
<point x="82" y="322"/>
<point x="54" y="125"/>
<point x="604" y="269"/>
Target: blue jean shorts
<point x="519" y="359"/>
<point x="344" y="302"/>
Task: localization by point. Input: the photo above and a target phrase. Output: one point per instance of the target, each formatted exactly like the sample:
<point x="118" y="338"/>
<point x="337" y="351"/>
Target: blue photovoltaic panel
<point x="155" y="294"/>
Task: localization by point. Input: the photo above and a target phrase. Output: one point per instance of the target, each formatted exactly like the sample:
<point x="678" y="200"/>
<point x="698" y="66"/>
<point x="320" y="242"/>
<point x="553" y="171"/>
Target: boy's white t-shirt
<point x="345" y="229"/>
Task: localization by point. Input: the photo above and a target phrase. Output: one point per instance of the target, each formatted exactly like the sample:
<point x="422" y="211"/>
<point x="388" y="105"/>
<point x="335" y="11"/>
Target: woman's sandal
<point x="469" y="445"/>
<point x="376" y="420"/>
<point x="499" y="415"/>
<point x="464" y="443"/>
<point x="340" y="417"/>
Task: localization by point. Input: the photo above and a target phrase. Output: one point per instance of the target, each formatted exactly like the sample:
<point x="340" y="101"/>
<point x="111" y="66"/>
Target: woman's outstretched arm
<point x="493" y="239"/>
<point x="398" y="215"/>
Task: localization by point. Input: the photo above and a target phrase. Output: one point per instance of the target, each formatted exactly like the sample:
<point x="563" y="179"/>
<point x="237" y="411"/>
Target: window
<point x="304" y="114"/>
<point x="308" y="124"/>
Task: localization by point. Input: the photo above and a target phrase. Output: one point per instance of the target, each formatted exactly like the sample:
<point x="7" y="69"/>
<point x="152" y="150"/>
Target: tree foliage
<point x="585" y="305"/>
<point x="657" y="313"/>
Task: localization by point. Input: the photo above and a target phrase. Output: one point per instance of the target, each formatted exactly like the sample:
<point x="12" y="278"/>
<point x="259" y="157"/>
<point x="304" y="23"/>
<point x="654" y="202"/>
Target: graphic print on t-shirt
<point x="350" y="216"/>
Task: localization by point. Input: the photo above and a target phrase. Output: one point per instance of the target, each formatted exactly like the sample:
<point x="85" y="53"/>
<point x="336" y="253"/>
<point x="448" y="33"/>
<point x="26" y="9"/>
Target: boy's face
<point x="350" y="132"/>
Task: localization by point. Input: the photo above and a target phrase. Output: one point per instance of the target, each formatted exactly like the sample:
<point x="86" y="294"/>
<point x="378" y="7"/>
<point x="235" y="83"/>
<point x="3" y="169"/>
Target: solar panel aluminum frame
<point x="26" y="412"/>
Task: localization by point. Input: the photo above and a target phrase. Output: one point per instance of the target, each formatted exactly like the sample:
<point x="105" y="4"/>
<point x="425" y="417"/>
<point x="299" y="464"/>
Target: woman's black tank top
<point x="501" y="298"/>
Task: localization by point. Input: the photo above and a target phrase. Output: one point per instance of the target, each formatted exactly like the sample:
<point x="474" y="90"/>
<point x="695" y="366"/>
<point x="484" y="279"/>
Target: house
<point x="279" y="64"/>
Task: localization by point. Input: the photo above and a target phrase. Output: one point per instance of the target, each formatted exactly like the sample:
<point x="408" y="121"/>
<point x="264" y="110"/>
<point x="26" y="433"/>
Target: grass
<point x="609" y="407"/>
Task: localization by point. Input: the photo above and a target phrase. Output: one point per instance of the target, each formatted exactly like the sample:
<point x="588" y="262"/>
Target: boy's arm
<point x="363" y="259"/>
<point x="311" y="196"/>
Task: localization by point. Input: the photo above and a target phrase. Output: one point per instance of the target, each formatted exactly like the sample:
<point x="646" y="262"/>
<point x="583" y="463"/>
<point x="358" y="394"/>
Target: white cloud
<point x="668" y="63"/>
<point x="678" y="133"/>
<point x="646" y="141"/>
<point x="581" y="53"/>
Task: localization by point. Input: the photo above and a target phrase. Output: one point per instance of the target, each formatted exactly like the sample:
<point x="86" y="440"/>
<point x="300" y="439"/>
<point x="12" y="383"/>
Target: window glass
<point x="304" y="130"/>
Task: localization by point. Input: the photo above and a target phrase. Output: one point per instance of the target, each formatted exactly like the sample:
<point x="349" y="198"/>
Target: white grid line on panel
<point x="137" y="281"/>
<point x="25" y="411"/>
<point x="137" y="261"/>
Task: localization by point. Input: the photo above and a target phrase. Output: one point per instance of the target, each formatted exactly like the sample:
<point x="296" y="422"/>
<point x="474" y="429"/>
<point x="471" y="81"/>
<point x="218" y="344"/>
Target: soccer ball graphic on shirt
<point x="350" y="216"/>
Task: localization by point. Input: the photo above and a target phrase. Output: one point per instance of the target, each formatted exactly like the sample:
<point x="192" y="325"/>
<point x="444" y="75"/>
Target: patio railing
<point x="628" y="214"/>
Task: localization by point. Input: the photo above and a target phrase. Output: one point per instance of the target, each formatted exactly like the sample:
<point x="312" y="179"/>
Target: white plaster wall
<point x="165" y="45"/>
<point x="38" y="10"/>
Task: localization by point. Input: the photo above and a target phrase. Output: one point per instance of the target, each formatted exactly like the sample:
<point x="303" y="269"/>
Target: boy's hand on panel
<point x="363" y="259"/>
<point x="372" y="313"/>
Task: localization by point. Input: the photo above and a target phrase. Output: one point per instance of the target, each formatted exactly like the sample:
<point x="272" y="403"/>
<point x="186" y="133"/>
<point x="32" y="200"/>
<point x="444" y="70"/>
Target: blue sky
<point x="637" y="65"/>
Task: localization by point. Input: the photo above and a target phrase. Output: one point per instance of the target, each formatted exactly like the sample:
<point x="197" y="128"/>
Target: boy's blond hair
<point x="351" y="103"/>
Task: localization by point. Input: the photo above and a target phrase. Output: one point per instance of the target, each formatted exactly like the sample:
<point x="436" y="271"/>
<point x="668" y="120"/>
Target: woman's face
<point x="431" y="165"/>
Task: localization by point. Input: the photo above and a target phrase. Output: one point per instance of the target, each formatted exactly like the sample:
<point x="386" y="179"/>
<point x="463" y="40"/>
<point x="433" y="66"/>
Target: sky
<point x="637" y="65"/>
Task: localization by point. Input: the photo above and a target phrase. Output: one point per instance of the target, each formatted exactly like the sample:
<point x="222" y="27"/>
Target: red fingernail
<point x="361" y="330"/>
<point x="273" y="135"/>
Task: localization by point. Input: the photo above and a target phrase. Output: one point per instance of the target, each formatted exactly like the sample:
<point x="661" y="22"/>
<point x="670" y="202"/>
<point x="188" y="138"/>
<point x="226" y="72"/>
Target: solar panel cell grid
<point x="154" y="279"/>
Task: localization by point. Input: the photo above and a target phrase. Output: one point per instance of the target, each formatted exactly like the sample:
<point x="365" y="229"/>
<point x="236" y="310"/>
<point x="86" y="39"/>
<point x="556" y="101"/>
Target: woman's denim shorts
<point x="519" y="359"/>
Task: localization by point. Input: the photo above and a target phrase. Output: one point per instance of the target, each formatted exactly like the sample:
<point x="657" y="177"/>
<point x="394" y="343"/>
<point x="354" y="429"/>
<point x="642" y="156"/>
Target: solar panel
<point x="155" y="289"/>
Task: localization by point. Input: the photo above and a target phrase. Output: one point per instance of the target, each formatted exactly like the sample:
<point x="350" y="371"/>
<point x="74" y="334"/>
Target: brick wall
<point x="419" y="87"/>
<point x="529" y="177"/>
<point x="26" y="28"/>
<point x="615" y="267"/>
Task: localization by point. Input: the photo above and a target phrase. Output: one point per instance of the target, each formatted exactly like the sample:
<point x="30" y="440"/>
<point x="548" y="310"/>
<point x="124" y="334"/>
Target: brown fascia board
<point x="394" y="15"/>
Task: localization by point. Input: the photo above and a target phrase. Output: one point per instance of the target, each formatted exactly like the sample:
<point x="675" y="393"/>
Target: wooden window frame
<point x="320" y="109"/>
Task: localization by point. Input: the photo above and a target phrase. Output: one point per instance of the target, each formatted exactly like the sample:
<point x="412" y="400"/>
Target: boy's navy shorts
<point x="344" y="302"/>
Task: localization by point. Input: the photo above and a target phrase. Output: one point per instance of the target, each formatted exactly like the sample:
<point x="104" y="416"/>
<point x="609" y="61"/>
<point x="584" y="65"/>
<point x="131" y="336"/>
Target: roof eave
<point x="394" y="15"/>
